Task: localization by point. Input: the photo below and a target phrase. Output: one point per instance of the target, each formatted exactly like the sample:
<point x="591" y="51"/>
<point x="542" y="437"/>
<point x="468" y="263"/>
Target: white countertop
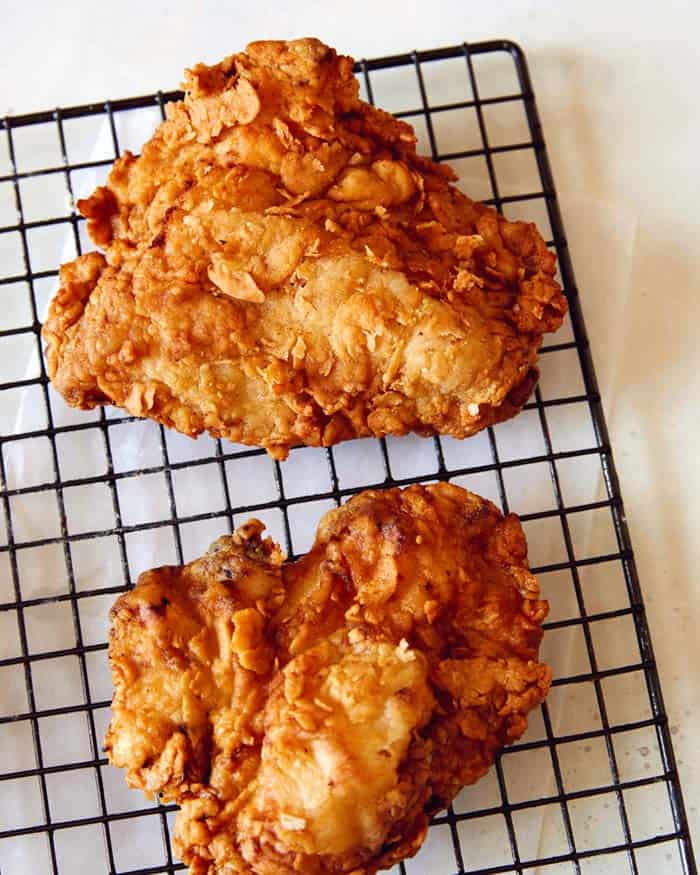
<point x="617" y="89"/>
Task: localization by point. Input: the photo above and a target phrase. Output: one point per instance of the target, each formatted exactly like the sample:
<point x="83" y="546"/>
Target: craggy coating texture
<point x="281" y="268"/>
<point x="309" y="717"/>
<point x="173" y="649"/>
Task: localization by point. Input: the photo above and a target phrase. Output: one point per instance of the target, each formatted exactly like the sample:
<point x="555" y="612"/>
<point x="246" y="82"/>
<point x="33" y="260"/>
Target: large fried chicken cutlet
<point x="281" y="268"/>
<point x="310" y="716"/>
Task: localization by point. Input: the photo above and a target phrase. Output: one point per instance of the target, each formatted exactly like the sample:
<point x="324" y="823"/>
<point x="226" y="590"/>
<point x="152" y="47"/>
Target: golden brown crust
<point x="282" y="268"/>
<point x="185" y="636"/>
<point x="309" y="717"/>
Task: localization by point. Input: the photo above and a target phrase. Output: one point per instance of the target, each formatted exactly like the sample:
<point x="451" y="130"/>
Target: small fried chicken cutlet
<point x="280" y="267"/>
<point x="309" y="717"/>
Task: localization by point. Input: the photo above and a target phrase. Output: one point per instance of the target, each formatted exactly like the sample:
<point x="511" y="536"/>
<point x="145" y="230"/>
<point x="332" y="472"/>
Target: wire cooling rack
<point x="90" y="498"/>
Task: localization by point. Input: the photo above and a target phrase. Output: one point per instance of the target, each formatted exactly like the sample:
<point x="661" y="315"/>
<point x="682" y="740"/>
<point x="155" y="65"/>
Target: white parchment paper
<point x="97" y="563"/>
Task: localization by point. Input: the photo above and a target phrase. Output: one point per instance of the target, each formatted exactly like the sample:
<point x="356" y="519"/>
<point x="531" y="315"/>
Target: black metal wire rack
<point x="592" y="787"/>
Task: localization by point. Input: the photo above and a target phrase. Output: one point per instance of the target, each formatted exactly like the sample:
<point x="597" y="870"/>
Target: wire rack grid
<point x="592" y="787"/>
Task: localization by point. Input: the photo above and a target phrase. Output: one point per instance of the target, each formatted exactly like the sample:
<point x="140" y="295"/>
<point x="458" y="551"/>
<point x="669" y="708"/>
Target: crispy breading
<point x="173" y="648"/>
<point x="310" y="716"/>
<point x="280" y="268"/>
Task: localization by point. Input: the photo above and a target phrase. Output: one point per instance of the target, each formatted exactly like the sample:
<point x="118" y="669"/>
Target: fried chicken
<point x="310" y="716"/>
<point x="280" y="267"/>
